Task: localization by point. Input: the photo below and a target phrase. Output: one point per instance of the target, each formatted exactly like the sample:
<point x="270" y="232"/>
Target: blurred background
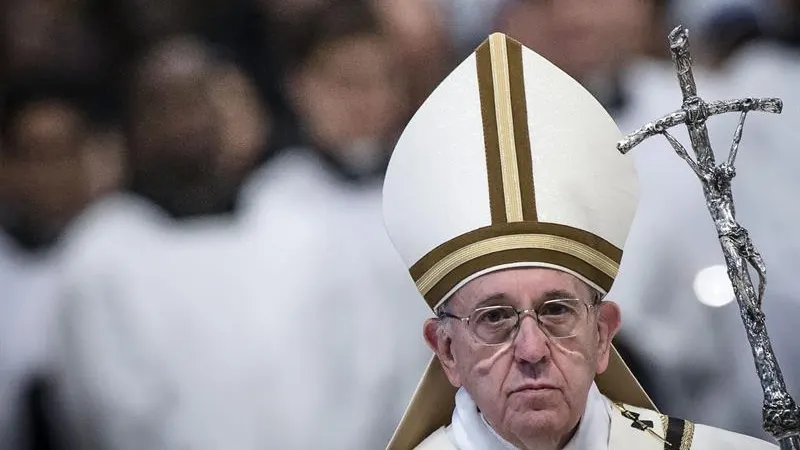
<point x="191" y="245"/>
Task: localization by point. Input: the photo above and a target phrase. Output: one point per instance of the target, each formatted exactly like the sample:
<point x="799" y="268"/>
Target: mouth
<point x="535" y="387"/>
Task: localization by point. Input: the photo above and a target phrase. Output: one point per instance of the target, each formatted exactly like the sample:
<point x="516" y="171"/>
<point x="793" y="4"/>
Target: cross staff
<point x="781" y="416"/>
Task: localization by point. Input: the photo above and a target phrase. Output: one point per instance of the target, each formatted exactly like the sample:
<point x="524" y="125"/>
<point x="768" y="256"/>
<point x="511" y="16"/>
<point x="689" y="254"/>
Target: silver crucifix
<point x="781" y="416"/>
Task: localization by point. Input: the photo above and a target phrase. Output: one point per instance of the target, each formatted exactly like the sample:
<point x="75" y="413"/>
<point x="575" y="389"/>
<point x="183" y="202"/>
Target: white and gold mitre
<point x="509" y="163"/>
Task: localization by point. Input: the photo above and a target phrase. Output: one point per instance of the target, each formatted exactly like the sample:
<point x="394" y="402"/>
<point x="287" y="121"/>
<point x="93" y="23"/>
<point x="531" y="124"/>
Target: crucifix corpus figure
<point x="780" y="413"/>
<point x="736" y="243"/>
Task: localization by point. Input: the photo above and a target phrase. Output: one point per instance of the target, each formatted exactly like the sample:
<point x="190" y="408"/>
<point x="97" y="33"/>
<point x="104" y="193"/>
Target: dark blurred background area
<point x="191" y="245"/>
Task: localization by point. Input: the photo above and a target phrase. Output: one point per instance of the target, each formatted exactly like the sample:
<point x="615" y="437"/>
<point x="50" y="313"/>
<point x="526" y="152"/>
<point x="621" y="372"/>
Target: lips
<point x="534" y="387"/>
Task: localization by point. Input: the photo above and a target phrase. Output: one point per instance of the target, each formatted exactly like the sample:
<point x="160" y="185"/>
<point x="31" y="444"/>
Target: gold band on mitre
<point x="450" y="265"/>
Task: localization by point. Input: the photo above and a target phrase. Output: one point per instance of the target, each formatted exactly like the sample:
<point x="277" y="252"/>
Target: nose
<point x="530" y="344"/>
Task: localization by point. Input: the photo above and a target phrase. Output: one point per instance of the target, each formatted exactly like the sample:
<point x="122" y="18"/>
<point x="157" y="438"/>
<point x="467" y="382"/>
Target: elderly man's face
<point x="532" y="390"/>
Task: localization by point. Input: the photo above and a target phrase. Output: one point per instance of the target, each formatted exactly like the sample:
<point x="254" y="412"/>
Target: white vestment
<point x="29" y="295"/>
<point x="603" y="427"/>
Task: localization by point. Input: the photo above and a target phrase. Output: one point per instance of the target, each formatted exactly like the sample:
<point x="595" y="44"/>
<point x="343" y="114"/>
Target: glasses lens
<point x="494" y="324"/>
<point x="560" y="318"/>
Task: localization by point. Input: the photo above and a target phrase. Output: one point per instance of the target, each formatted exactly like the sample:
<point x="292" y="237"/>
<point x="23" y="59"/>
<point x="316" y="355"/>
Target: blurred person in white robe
<point x="50" y="169"/>
<point x="163" y="335"/>
<point x="348" y="92"/>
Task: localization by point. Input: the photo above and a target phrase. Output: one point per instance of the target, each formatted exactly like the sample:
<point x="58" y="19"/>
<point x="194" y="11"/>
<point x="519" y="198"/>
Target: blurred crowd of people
<point x="192" y="253"/>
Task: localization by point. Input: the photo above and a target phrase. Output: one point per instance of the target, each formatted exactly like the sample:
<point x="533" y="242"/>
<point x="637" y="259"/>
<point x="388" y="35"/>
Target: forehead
<point x="521" y="286"/>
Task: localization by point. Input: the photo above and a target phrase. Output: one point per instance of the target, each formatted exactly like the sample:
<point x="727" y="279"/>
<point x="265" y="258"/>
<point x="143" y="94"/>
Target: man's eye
<point x="556" y="309"/>
<point x="496" y="315"/>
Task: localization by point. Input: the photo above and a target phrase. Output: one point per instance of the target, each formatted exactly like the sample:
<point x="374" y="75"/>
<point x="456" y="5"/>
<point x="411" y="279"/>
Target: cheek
<point x="485" y="377"/>
<point x="576" y="361"/>
<point x="484" y="368"/>
<point x="490" y="361"/>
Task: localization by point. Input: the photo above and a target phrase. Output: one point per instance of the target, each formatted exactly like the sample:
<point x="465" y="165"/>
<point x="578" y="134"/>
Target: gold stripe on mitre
<point x="505" y="130"/>
<point x="505" y="127"/>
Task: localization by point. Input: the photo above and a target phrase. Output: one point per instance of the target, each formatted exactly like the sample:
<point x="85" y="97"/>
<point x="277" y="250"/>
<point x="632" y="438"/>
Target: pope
<point x="508" y="201"/>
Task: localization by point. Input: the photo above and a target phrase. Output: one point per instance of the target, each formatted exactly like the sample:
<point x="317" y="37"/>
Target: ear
<point x="608" y="322"/>
<point x="438" y="339"/>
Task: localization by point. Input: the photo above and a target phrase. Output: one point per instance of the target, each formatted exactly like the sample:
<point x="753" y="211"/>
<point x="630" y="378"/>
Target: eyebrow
<point x="493" y="300"/>
<point x="503" y="299"/>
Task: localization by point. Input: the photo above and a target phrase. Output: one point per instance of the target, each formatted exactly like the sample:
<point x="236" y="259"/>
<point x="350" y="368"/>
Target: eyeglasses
<point x="495" y="325"/>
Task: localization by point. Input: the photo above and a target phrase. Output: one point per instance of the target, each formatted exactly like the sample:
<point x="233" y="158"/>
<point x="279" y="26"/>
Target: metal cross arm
<point x="658" y="126"/>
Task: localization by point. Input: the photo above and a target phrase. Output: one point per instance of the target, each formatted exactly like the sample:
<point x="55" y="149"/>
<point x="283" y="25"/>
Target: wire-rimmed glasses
<point x="496" y="325"/>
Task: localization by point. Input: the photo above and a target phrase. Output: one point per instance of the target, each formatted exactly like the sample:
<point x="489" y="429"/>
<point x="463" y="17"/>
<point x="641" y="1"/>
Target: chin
<point x="538" y="413"/>
<point x="542" y="425"/>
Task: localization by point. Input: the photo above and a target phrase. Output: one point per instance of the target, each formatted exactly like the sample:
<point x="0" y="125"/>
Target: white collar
<point x="470" y="431"/>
